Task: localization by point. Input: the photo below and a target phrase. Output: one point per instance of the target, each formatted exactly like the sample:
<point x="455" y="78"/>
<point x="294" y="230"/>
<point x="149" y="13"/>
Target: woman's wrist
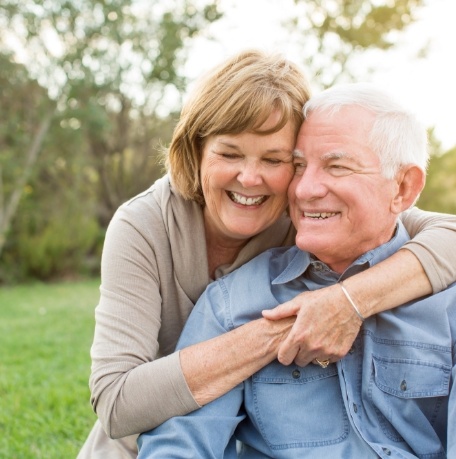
<point x="395" y="281"/>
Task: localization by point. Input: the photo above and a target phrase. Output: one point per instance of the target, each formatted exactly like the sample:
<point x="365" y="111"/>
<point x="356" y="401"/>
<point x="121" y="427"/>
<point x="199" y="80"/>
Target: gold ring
<point x="323" y="363"/>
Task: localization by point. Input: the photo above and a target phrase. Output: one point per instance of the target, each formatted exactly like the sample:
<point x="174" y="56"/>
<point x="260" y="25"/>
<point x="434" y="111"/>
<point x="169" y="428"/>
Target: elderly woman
<point x="223" y="202"/>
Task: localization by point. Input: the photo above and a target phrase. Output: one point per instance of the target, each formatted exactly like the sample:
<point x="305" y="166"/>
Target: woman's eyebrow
<point x="227" y="143"/>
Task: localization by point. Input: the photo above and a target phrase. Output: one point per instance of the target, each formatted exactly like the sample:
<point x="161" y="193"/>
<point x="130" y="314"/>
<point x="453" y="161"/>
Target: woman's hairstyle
<point x="397" y="137"/>
<point x="237" y="96"/>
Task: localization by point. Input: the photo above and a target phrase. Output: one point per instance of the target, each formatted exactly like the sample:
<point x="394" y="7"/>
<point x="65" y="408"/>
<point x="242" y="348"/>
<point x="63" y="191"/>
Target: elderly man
<point x="360" y="161"/>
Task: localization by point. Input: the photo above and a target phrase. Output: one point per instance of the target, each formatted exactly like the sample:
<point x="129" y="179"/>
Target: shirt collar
<point x="293" y="263"/>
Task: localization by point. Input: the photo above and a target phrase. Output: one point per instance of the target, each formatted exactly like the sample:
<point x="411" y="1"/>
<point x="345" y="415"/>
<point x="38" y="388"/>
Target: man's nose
<point x="311" y="185"/>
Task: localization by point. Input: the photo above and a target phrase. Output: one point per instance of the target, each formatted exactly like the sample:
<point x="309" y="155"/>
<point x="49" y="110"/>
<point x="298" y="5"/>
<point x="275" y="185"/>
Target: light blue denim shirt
<point x="390" y="397"/>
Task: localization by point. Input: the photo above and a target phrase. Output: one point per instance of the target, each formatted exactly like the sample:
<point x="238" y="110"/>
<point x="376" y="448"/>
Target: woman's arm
<point x="326" y="323"/>
<point x="133" y="387"/>
<point x="434" y="244"/>
<point x="214" y="367"/>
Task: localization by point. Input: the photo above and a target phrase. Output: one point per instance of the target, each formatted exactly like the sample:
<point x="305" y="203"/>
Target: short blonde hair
<point x="237" y="96"/>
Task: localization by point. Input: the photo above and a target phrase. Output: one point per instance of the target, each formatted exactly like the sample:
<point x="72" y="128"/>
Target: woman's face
<point x="245" y="178"/>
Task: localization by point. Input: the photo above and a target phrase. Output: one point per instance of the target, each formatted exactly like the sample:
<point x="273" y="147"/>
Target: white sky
<point x="426" y="86"/>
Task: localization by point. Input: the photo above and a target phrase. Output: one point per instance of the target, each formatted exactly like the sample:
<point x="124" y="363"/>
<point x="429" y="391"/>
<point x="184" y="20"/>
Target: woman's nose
<point x="250" y="174"/>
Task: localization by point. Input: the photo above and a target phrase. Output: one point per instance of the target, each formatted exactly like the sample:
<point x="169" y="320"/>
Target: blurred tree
<point x="439" y="194"/>
<point x="102" y="78"/>
<point x="334" y="34"/>
<point x="25" y="119"/>
<point x="106" y="76"/>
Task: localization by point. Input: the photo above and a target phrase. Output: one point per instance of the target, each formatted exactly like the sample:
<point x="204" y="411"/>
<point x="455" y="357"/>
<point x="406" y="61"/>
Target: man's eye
<point x="338" y="169"/>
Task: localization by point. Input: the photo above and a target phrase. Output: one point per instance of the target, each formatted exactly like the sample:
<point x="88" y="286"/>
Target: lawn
<point x="45" y="335"/>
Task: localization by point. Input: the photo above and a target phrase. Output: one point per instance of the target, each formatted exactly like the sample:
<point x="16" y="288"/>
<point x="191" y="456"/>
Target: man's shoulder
<point x="246" y="291"/>
<point x="261" y="270"/>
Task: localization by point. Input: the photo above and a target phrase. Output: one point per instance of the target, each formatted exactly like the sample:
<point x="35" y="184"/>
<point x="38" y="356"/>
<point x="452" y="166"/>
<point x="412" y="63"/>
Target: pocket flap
<point x="407" y="378"/>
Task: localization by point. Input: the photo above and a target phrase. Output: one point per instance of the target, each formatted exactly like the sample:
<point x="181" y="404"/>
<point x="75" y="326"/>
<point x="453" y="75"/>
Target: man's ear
<point x="410" y="182"/>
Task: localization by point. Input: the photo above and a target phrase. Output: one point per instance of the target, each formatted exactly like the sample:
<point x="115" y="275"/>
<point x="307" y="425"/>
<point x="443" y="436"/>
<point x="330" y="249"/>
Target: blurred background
<point x="91" y="90"/>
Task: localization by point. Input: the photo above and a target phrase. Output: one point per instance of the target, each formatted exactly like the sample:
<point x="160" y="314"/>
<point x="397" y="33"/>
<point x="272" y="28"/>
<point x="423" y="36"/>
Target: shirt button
<point x="352" y="349"/>
<point x="404" y="385"/>
<point x="296" y="374"/>
<point x="355" y="408"/>
<point x="386" y="451"/>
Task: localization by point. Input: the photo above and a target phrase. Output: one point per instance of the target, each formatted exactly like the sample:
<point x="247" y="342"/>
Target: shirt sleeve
<point x="451" y="427"/>
<point x="451" y="447"/>
<point x="133" y="388"/>
<point x="433" y="243"/>
<point x="209" y="431"/>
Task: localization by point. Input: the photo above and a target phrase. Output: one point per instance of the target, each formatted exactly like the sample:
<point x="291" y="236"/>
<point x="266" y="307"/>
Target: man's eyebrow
<point x="298" y="154"/>
<point x="336" y="155"/>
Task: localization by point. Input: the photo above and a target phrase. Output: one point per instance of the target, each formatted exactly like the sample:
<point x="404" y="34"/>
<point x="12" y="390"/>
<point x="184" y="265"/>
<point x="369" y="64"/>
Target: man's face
<point x="340" y="203"/>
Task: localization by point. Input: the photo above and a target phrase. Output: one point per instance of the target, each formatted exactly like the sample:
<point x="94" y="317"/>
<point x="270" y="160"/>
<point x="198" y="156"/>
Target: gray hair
<point x="397" y="136"/>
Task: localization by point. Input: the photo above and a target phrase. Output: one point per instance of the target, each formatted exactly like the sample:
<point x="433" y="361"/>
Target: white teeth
<point x="320" y="215"/>
<point x="239" y="199"/>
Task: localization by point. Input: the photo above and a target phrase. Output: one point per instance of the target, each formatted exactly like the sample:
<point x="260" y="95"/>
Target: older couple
<point x="360" y="161"/>
<point x="223" y="202"/>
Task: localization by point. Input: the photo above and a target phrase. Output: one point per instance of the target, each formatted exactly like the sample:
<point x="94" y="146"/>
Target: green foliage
<point x="23" y="102"/>
<point x="56" y="233"/>
<point x="335" y="33"/>
<point x="59" y="248"/>
<point x="45" y="336"/>
<point x="113" y="70"/>
<point x="439" y="194"/>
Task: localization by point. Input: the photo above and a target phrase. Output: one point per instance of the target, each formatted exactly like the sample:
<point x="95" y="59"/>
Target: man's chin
<point x="312" y="245"/>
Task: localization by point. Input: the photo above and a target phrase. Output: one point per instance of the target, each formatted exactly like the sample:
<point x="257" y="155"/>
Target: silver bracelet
<point x="351" y="301"/>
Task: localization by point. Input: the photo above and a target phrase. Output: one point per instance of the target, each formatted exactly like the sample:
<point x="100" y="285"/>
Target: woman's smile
<point x="247" y="201"/>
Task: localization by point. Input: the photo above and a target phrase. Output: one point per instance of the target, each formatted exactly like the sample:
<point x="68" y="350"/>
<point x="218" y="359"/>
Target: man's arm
<point x="208" y="431"/>
<point x="451" y="427"/>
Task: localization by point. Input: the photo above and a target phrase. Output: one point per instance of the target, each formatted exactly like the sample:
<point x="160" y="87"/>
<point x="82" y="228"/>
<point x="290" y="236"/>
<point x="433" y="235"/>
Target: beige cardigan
<point x="154" y="268"/>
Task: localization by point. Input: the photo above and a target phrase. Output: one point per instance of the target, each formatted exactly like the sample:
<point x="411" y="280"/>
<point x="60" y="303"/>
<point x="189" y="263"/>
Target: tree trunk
<point x="8" y="208"/>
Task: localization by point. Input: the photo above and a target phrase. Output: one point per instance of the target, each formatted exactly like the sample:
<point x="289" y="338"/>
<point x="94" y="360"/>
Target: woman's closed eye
<point x="230" y="155"/>
<point x="275" y="161"/>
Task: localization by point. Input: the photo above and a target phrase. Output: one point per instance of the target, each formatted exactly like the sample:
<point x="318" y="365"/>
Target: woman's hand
<point x="213" y="367"/>
<point x="325" y="328"/>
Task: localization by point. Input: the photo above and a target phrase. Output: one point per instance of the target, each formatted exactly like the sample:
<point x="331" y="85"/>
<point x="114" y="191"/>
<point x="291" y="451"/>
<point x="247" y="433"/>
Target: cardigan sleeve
<point x="433" y="243"/>
<point x="133" y="387"/>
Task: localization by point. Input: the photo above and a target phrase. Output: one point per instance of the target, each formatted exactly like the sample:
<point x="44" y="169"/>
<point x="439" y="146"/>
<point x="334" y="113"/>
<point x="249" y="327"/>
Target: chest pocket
<point x="405" y="378"/>
<point x="410" y="396"/>
<point x="297" y="407"/>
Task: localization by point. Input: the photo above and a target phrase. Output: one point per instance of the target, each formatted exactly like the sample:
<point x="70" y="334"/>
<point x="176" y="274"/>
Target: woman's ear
<point x="410" y="182"/>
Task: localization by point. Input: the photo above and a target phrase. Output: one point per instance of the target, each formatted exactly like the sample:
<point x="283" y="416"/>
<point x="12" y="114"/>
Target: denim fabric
<point x="390" y="397"/>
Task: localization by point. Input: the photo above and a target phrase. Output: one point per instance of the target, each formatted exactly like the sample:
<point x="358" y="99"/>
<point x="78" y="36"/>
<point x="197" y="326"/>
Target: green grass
<point x="45" y="335"/>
